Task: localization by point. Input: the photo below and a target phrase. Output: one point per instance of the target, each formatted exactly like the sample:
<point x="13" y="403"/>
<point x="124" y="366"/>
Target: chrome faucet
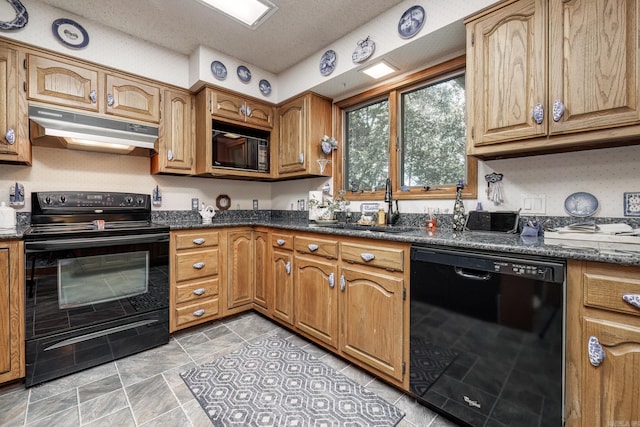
<point x="392" y="217"/>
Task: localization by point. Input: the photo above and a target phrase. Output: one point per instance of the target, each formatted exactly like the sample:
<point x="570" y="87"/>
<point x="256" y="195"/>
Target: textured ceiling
<point x="296" y="31"/>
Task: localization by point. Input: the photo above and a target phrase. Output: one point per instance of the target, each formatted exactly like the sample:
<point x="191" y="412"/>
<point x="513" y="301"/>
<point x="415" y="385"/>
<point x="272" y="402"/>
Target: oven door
<point x="93" y="300"/>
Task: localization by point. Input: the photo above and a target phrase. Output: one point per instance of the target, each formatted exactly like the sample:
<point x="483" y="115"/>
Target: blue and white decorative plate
<point x="244" y="74"/>
<point x="364" y="50"/>
<point x="411" y="22"/>
<point x="70" y="33"/>
<point x="581" y="204"/>
<point x="219" y="70"/>
<point x="265" y="87"/>
<point x="21" y="19"/>
<point x="328" y="62"/>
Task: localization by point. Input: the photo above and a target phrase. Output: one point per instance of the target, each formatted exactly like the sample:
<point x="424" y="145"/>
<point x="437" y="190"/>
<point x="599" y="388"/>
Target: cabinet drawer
<point x="197" y="311"/>
<point x="388" y="258"/>
<point x="320" y="247"/>
<point x="282" y="241"/>
<point x="613" y="288"/>
<point x="200" y="290"/>
<point x="196" y="239"/>
<point x="196" y="264"/>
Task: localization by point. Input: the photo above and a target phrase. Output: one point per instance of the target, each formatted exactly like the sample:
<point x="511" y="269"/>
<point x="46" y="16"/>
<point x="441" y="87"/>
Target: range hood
<point x="64" y="129"/>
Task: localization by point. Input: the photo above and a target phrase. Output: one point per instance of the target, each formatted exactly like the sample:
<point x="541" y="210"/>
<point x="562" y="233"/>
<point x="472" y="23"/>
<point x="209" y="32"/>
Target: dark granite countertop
<point x="483" y="241"/>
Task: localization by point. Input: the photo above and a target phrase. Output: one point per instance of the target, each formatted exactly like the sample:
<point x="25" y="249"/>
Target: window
<point x="413" y="132"/>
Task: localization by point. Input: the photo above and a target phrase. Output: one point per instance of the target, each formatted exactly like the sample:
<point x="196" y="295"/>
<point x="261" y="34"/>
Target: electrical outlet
<point x="534" y="204"/>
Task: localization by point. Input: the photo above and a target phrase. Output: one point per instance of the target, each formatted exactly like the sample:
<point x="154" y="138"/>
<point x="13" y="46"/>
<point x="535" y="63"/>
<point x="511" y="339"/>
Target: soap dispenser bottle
<point x="458" y="209"/>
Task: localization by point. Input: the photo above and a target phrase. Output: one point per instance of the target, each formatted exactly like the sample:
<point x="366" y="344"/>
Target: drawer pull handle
<point x="633" y="299"/>
<point x="198" y="241"/>
<point x="596" y="352"/>
<point x="198" y="265"/>
<point x="313" y="247"/>
<point x="198" y="313"/>
<point x="287" y="267"/>
<point x="280" y="242"/>
<point x="367" y="256"/>
<point x="332" y="280"/>
<point x="199" y="291"/>
<point x="538" y="113"/>
<point x="343" y="283"/>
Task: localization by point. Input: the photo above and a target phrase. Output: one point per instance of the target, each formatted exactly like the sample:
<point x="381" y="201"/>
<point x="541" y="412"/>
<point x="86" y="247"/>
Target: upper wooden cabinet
<point x="175" y="147"/>
<point x="240" y="109"/>
<point x="15" y="146"/>
<point x="552" y="75"/>
<point x="302" y="122"/>
<point x="70" y="84"/>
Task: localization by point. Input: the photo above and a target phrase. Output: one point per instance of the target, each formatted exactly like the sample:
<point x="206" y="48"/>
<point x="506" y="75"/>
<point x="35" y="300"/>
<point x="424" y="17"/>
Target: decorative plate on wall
<point x="631" y="204"/>
<point x="581" y="204"/>
<point x="219" y="70"/>
<point x="411" y="22"/>
<point x="21" y="19"/>
<point x="223" y="202"/>
<point x="364" y="50"/>
<point x="244" y="74"/>
<point x="265" y="87"/>
<point x="70" y="33"/>
<point x="328" y="62"/>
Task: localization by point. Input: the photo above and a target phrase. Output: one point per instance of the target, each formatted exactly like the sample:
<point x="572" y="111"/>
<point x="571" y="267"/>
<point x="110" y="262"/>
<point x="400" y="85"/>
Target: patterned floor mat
<point x="275" y="383"/>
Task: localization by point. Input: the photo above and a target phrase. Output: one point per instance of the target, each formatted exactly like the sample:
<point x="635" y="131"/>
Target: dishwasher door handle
<point x="473" y="276"/>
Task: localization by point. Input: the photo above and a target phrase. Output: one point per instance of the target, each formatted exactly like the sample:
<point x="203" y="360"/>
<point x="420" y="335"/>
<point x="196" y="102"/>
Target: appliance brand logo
<point x="472" y="402"/>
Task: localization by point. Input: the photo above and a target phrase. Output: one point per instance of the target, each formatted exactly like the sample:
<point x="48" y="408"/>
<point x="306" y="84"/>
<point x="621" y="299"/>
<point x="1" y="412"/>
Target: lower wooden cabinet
<point x="194" y="295"/>
<point x="12" y="335"/>
<point x="281" y="278"/>
<point x="261" y="288"/>
<point x="603" y="345"/>
<point x="240" y="270"/>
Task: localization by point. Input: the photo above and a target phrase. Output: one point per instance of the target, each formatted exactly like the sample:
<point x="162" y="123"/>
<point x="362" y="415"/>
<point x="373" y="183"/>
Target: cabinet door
<point x="11" y="311"/>
<point x="507" y="51"/>
<point x="611" y="391"/>
<point x="292" y="153"/>
<point x="594" y="59"/>
<point x="227" y="105"/>
<point x="14" y="138"/>
<point x="132" y="99"/>
<point x="259" y="114"/>
<point x="316" y="308"/>
<point x="282" y="284"/>
<point x="240" y="268"/>
<point x="260" y="262"/>
<point x="176" y="142"/>
<point x="371" y="307"/>
<point x="64" y="84"/>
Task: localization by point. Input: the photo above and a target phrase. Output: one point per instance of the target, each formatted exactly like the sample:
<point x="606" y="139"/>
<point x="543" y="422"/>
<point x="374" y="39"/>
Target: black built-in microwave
<point x="240" y="148"/>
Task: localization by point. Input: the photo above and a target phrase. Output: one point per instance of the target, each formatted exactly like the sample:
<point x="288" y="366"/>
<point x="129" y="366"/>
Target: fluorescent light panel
<point x="249" y="12"/>
<point x="379" y="70"/>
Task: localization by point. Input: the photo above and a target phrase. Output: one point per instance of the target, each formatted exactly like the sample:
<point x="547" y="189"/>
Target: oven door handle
<point x="61" y="244"/>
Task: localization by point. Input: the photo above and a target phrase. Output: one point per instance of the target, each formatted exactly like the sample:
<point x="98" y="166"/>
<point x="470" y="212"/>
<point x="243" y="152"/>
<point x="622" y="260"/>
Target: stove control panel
<point x="71" y="200"/>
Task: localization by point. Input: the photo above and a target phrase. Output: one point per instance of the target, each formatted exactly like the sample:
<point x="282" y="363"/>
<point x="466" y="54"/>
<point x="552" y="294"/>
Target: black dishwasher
<point x="487" y="337"/>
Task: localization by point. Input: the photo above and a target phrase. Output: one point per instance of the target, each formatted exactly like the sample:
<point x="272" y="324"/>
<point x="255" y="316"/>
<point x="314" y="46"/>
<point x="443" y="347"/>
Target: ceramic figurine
<point x="458" y="209"/>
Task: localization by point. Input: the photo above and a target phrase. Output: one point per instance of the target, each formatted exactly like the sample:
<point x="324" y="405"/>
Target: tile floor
<point x="146" y="390"/>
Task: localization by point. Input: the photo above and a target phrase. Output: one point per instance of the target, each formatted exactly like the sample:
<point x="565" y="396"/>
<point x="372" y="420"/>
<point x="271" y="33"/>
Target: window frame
<point x="393" y="91"/>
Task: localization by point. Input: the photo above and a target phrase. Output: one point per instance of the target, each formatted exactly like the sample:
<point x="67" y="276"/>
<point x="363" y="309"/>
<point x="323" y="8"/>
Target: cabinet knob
<point x="169" y="155"/>
<point x="596" y="352"/>
<point x="538" y="113"/>
<point x="198" y="241"/>
<point x="313" y="247"/>
<point x="280" y="242"/>
<point x="110" y="100"/>
<point x="332" y="280"/>
<point x="558" y="110"/>
<point x="301" y="158"/>
<point x="287" y="267"/>
<point x="198" y="265"/>
<point x="343" y="283"/>
<point x="93" y="96"/>
<point x="633" y="299"/>
<point x="367" y="256"/>
<point x="198" y="313"/>
<point x="243" y="110"/>
<point x="248" y="111"/>
<point x="199" y="291"/>
<point x="10" y="136"/>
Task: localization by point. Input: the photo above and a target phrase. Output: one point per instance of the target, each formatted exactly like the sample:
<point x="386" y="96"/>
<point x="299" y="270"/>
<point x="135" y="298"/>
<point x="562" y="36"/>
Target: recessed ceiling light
<point x="379" y="70"/>
<point x="248" y="12"/>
